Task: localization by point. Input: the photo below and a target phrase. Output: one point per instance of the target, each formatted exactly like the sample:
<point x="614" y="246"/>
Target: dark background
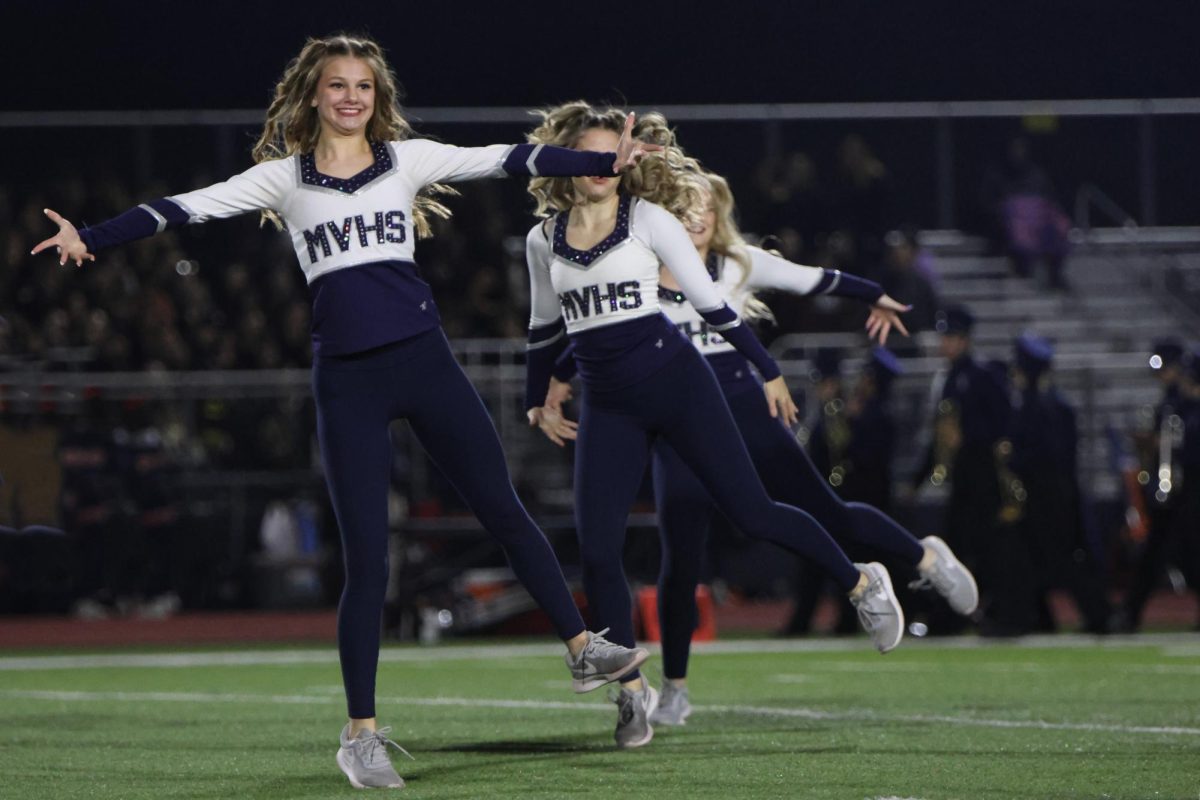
<point x="225" y="54"/>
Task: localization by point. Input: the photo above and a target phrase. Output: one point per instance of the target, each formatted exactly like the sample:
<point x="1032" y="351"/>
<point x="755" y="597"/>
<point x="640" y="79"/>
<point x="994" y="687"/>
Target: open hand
<point x="779" y="401"/>
<point x="884" y="316"/>
<point x="557" y="428"/>
<point x="69" y="245"/>
<point x="630" y="150"/>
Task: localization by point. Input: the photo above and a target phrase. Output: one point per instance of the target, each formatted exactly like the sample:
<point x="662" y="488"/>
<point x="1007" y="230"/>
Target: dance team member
<point x="336" y="163"/>
<point x="594" y="270"/>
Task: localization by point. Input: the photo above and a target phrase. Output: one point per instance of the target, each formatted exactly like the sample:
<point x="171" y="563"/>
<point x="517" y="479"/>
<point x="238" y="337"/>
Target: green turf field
<point x="1047" y="719"/>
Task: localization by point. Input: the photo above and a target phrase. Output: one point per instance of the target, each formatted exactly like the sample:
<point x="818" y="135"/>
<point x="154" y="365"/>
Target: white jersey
<point x="767" y="271"/>
<point x="617" y="280"/>
<point x="336" y="223"/>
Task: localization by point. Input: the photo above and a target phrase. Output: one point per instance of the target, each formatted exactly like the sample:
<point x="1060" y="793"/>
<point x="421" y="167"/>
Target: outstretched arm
<point x="768" y="271"/>
<point x="433" y="162"/>
<point x="259" y="188"/>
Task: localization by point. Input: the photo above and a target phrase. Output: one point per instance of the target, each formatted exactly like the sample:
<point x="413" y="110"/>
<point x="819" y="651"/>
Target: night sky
<point x="224" y="54"/>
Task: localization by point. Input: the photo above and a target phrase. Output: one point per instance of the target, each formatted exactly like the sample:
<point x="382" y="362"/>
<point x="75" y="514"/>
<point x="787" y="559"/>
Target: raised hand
<point x="630" y="150"/>
<point x="557" y="428"/>
<point x="884" y="316"/>
<point x="779" y="401"/>
<point x="67" y="242"/>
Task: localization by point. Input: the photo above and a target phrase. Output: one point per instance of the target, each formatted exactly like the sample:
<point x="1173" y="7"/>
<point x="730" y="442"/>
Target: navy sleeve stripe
<point x="551" y="161"/>
<point x="843" y="284"/>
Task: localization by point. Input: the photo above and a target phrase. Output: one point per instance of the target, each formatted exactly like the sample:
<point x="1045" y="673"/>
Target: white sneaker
<point x="634" y="710"/>
<point x="602" y="661"/>
<point x="949" y="577"/>
<point x="365" y="761"/>
<point x="673" y="706"/>
<point x="878" y="609"/>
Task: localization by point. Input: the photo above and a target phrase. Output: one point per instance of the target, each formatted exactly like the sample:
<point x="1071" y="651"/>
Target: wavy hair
<point x="292" y="125"/>
<point x="658" y="178"/>
<point x="727" y="238"/>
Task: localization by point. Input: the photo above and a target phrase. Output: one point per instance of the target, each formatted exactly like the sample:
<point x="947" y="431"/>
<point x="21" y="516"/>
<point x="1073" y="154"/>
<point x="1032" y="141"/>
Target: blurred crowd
<point x="228" y="296"/>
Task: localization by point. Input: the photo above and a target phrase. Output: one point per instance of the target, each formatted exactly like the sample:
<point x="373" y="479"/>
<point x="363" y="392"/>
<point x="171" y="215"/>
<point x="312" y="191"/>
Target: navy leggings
<point x="685" y="511"/>
<point x="357" y="397"/>
<point x="683" y="405"/>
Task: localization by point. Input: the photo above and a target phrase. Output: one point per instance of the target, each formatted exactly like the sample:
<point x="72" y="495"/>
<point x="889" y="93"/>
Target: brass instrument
<point x="947" y="438"/>
<point x="837" y="439"/>
<point x="1170" y="438"/>
<point x="1012" y="490"/>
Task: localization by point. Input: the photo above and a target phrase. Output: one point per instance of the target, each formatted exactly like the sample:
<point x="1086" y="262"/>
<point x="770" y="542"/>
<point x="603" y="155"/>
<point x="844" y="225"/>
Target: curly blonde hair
<point x="657" y="178"/>
<point x="292" y="125"/>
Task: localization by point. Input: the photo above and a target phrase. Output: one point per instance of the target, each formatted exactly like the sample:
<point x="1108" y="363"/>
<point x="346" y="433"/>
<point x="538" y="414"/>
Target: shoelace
<point x="598" y="644"/>
<point x="935" y="578"/>
<point x="378" y="740"/>
<point x="624" y="701"/>
<point x="869" y="618"/>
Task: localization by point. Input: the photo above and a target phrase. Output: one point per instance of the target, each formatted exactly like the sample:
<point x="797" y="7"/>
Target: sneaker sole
<point x="581" y="685"/>
<point x="345" y="767"/>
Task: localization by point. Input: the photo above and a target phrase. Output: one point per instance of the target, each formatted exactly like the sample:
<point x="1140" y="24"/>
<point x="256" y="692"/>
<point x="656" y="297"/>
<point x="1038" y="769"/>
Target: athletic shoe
<point x="365" y="761"/>
<point x="673" y="706"/>
<point x="602" y="662"/>
<point x="634" y="710"/>
<point x="878" y="610"/>
<point x="949" y="577"/>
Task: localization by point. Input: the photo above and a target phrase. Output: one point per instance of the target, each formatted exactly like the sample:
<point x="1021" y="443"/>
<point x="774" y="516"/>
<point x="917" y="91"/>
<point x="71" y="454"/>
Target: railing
<point x="940" y="156"/>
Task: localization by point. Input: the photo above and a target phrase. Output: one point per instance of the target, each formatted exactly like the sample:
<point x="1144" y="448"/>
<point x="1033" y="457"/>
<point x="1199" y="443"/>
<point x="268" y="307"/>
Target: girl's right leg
<point x="684" y="514"/>
<point x="702" y="431"/>
<point x="791" y="477"/>
<point x="352" y="428"/>
<point x="452" y="424"/>
<point x="610" y="460"/>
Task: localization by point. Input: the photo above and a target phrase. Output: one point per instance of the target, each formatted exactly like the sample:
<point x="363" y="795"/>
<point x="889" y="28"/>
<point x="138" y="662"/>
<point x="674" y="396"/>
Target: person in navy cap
<point x="1171" y="456"/>
<point x="970" y="417"/>
<point x="1045" y="437"/>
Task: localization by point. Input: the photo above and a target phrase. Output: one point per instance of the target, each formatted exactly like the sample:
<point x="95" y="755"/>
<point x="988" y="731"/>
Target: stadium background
<point x="186" y="357"/>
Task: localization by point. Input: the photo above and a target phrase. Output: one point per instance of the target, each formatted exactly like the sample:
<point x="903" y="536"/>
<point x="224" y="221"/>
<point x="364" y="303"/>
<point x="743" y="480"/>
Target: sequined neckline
<point x="585" y="258"/>
<point x="382" y="166"/>
<point x="712" y="264"/>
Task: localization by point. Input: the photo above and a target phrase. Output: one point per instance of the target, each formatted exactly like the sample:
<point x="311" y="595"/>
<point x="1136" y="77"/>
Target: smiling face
<point x="596" y="189"/>
<point x="345" y="96"/>
<point x="702" y="229"/>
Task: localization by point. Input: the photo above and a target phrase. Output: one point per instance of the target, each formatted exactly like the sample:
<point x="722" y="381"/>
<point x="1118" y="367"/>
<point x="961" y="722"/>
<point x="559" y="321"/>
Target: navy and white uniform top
<point x="353" y="236"/>
<point x="607" y="300"/>
<point x="734" y="282"/>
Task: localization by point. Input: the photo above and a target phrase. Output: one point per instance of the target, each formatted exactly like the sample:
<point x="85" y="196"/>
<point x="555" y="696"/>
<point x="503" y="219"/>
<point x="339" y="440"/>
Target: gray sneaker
<point x="365" y="761"/>
<point x="602" y="662"/>
<point x="673" y="706"/>
<point x="949" y="577"/>
<point x="634" y="710"/>
<point x="878" y="610"/>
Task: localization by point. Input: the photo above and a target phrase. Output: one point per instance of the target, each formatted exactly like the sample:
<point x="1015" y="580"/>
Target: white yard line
<point x="1174" y="644"/>
<point x="549" y="705"/>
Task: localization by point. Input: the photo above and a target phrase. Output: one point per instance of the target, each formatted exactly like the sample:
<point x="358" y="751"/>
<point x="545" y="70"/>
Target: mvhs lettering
<point x="700" y="333"/>
<point x="600" y="299"/>
<point x="386" y="227"/>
